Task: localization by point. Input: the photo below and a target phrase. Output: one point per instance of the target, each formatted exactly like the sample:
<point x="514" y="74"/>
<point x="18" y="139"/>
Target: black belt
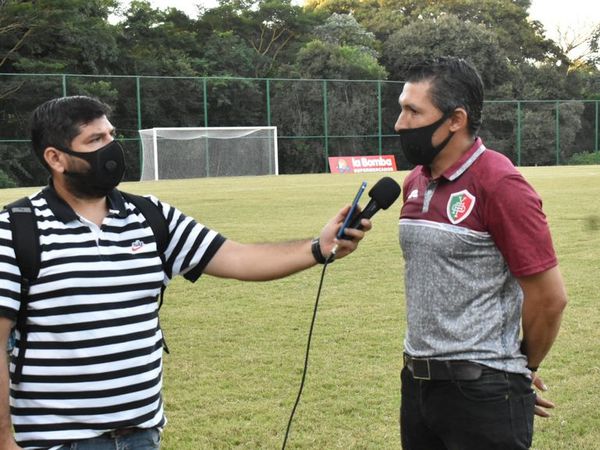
<point x="438" y="369"/>
<point x="121" y="432"/>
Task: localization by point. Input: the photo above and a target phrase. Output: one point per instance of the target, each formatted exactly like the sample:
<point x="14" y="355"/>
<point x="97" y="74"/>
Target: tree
<point x="46" y="36"/>
<point x="58" y="36"/>
<point x="55" y="36"/>
<point x="381" y="17"/>
<point x="154" y="42"/>
<point x="327" y="39"/>
<point x="507" y="19"/>
<point x="343" y="52"/>
<point x="274" y="29"/>
<point x="343" y="29"/>
<point x="447" y="36"/>
<point x="581" y="46"/>
<point x="539" y="135"/>
<point x="520" y="39"/>
<point x="14" y="32"/>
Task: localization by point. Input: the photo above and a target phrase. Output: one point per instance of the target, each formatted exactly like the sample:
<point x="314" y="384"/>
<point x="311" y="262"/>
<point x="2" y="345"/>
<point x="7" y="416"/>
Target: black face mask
<point x="416" y="143"/>
<point x="107" y="166"/>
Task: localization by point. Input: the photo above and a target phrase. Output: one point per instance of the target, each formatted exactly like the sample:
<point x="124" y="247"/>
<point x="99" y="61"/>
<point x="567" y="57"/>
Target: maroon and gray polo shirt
<point x="465" y="237"/>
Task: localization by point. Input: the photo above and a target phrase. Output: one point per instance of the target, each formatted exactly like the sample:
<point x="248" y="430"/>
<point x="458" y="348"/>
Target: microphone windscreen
<point x="385" y="192"/>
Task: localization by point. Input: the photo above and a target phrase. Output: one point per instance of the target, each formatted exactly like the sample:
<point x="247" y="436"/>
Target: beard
<point x="79" y="184"/>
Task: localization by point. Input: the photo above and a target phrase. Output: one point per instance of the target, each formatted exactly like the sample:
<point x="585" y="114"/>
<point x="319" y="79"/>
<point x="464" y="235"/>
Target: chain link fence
<point x="315" y="118"/>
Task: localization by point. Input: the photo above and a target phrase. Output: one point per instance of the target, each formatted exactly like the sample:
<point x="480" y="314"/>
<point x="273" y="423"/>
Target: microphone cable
<point x="310" y="332"/>
<point x="383" y="194"/>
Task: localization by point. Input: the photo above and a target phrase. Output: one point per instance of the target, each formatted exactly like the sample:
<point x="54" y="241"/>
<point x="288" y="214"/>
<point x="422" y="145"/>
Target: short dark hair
<point x="454" y="84"/>
<point x="57" y="122"/>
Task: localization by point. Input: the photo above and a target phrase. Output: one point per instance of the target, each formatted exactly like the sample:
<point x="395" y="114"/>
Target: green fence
<point x="315" y="118"/>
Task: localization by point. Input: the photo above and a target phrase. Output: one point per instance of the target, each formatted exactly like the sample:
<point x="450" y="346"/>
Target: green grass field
<point x="237" y="349"/>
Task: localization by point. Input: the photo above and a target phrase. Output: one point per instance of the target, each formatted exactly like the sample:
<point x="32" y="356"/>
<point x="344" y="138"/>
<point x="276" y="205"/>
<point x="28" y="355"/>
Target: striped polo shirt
<point x="94" y="357"/>
<point x="465" y="237"/>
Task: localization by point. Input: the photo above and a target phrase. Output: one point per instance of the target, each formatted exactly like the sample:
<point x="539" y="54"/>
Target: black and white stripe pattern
<point x="94" y="357"/>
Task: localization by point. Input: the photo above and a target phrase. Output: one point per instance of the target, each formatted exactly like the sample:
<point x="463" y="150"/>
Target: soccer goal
<point x="172" y="153"/>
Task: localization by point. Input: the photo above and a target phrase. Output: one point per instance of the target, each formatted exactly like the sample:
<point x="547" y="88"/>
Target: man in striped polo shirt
<point x="480" y="270"/>
<point x="92" y="373"/>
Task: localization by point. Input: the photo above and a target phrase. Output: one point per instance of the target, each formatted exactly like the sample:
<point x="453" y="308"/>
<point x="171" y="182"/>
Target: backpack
<point x="26" y="244"/>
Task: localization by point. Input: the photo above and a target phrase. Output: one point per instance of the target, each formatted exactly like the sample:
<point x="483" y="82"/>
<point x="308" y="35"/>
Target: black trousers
<point x="495" y="411"/>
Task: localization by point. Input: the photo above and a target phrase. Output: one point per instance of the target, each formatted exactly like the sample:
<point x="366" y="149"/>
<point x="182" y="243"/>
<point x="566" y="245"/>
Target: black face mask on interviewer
<point x="107" y="166"/>
<point x="416" y="142"/>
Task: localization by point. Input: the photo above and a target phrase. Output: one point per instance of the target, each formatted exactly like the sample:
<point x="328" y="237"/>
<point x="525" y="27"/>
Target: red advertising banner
<point x="362" y="164"/>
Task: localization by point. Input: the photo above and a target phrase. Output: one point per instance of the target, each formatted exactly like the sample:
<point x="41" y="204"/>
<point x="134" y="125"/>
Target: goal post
<point x="172" y="153"/>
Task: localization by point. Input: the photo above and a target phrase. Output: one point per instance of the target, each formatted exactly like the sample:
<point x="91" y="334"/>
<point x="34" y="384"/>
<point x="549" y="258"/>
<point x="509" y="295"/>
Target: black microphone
<point x="383" y="194"/>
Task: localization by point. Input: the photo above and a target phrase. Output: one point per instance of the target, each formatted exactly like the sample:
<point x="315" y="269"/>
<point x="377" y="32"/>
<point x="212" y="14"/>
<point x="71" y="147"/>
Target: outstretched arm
<point x="261" y="262"/>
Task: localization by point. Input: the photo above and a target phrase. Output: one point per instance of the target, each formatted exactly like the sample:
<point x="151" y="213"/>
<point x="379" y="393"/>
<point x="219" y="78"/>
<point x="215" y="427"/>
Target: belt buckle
<point x="421" y="377"/>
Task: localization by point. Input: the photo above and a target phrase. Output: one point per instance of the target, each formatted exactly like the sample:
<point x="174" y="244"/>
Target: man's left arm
<point x="518" y="225"/>
<point x="544" y="299"/>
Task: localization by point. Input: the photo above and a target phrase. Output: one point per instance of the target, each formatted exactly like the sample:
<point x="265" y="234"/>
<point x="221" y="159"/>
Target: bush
<point x="580" y="159"/>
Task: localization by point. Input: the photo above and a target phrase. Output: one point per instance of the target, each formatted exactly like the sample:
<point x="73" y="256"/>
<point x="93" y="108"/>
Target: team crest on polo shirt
<point x="460" y="205"/>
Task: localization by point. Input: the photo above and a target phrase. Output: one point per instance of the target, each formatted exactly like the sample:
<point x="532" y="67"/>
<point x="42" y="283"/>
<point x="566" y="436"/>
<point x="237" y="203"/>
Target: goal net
<point x="171" y="153"/>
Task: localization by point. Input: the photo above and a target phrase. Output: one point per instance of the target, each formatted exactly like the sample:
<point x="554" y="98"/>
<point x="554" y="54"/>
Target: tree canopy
<point x="258" y="39"/>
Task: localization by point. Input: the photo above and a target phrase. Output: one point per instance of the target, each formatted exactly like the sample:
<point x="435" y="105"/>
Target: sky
<point x="579" y="15"/>
<point x="567" y="15"/>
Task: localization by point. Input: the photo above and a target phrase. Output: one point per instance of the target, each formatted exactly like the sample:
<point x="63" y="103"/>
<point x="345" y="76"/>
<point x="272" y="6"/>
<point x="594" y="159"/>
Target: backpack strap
<point x="160" y="229"/>
<point x="26" y="244"/>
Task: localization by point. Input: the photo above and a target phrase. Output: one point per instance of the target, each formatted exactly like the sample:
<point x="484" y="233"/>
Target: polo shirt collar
<point x="116" y="204"/>
<point x="64" y="212"/>
<point x="465" y="161"/>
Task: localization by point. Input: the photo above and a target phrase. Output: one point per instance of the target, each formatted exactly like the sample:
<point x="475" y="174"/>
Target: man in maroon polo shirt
<point x="480" y="272"/>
